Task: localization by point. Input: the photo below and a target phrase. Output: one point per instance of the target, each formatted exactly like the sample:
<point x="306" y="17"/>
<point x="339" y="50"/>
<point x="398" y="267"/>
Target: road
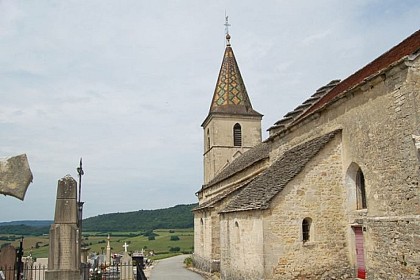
<point x="173" y="269"/>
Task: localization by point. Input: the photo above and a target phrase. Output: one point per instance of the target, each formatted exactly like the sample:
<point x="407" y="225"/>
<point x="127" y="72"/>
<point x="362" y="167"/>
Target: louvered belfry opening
<point x="237" y="135"/>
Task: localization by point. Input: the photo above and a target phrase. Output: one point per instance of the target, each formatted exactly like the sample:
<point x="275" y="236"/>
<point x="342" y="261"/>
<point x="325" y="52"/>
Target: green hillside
<point x="177" y="217"/>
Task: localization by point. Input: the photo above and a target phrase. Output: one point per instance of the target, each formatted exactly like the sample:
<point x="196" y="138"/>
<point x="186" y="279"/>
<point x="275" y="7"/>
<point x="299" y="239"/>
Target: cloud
<point x="126" y="85"/>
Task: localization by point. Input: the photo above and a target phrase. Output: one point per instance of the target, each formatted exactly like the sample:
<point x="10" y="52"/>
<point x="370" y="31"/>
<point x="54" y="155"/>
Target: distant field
<point x="39" y="245"/>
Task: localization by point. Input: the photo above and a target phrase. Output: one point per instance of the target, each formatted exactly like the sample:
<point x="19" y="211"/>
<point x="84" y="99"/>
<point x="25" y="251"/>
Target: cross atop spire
<point x="227" y="24"/>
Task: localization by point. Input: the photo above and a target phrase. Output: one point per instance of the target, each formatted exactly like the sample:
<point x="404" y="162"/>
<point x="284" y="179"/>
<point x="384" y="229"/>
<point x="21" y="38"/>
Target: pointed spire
<point x="230" y="95"/>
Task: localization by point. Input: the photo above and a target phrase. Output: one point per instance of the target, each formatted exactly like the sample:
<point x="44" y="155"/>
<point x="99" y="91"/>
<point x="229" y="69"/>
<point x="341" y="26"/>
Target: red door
<point x="360" y="253"/>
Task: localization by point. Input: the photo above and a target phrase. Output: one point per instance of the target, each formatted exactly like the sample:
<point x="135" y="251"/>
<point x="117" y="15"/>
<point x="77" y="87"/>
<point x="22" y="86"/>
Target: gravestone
<point x="64" y="254"/>
<point x="126" y="265"/>
<point x="8" y="261"/>
<point x="15" y="176"/>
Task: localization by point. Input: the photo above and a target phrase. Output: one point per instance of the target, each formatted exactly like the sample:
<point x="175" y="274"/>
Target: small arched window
<point x="360" y="190"/>
<point x="208" y="139"/>
<point x="306" y="229"/>
<point x="237" y="135"/>
<point x="237" y="231"/>
<point x="202" y="232"/>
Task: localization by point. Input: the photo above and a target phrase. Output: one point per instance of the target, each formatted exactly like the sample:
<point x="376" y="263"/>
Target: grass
<point x="97" y="242"/>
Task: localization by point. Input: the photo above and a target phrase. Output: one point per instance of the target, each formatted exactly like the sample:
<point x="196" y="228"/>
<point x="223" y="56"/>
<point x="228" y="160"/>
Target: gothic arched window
<point x="237" y="135"/>
<point x="360" y="190"/>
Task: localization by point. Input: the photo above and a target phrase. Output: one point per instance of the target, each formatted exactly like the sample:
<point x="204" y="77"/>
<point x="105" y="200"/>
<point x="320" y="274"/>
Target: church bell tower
<point x="232" y="126"/>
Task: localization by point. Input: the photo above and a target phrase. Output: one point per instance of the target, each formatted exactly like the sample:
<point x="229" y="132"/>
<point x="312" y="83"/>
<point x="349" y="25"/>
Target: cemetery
<point x="70" y="255"/>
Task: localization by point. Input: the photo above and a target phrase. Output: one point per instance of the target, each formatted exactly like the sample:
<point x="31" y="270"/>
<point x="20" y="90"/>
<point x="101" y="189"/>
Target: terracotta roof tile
<point x="408" y="46"/>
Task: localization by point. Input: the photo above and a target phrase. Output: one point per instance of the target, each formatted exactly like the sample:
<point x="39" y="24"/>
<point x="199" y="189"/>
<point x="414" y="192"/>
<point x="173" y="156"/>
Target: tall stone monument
<point x="64" y="255"/>
<point x="108" y="251"/>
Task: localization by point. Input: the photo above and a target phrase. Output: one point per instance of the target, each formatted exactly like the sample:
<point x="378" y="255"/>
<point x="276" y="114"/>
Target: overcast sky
<point x="127" y="84"/>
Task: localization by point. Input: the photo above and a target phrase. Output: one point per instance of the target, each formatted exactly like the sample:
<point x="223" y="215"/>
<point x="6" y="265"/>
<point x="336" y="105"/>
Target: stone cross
<point x="226" y="24"/>
<point x="15" y="176"/>
<point x="125" y="246"/>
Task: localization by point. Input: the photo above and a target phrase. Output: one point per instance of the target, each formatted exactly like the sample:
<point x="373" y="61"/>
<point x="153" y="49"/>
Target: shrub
<point x="174" y="238"/>
<point x="150" y="233"/>
<point x="174" y="249"/>
<point x="188" y="262"/>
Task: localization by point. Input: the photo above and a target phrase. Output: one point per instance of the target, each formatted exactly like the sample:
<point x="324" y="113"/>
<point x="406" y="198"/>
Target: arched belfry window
<point x="360" y="190"/>
<point x="237" y="135"/>
<point x="306" y="229"/>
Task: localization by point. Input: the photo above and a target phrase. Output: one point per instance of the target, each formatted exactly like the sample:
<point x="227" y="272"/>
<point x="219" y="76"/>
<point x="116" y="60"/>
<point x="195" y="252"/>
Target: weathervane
<point x="227" y="29"/>
<point x="226" y="24"/>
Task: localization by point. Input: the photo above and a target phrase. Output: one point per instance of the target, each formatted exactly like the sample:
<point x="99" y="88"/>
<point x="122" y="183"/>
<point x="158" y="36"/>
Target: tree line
<point x="176" y="217"/>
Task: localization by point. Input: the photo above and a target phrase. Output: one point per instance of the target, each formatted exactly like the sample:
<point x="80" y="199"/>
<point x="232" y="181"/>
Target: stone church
<point x="332" y="193"/>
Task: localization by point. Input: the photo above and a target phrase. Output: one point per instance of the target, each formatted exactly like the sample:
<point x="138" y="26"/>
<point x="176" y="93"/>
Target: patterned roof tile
<point x="230" y="95"/>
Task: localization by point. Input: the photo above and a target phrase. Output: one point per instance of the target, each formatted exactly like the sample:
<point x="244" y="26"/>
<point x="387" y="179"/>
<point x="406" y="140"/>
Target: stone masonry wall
<point x="242" y="246"/>
<point x="378" y="121"/>
<point x="220" y="134"/>
<point x="202" y="240"/>
<point x="377" y="135"/>
<point x="207" y="236"/>
<point x="316" y="193"/>
<point x="393" y="249"/>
